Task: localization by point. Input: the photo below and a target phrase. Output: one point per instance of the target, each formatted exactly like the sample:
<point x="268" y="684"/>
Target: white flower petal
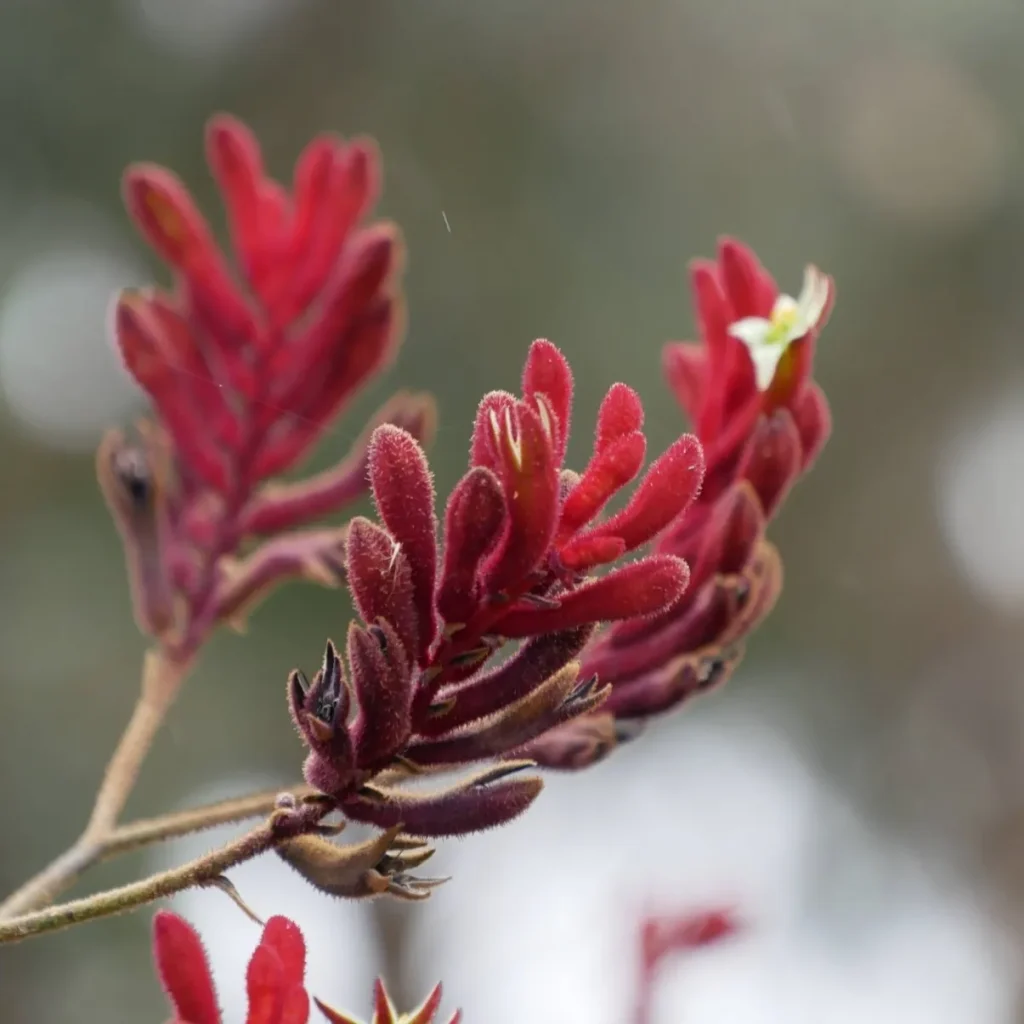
<point x="753" y="331"/>
<point x="813" y="297"/>
<point x="765" y="359"/>
<point x="810" y="287"/>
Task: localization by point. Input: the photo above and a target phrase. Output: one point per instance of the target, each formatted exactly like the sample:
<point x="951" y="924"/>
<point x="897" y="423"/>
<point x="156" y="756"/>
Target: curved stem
<point x="147" y="831"/>
<point x="280" y="826"/>
<point x="161" y="680"/>
<point x="200" y="871"/>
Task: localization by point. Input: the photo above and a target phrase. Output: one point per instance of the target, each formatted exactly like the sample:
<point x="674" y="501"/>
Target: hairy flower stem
<point x="202" y="871"/>
<point x="161" y="680"/>
<point x="146" y="832"/>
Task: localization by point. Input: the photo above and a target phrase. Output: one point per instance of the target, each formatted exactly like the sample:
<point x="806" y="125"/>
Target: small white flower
<point x="768" y="339"/>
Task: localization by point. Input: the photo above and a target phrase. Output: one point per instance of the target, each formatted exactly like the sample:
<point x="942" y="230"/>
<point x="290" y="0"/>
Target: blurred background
<point x="857" y="791"/>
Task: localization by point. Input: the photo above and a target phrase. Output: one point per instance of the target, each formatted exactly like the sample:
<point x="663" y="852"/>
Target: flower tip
<point x="225" y="127"/>
<point x="730" y="248"/>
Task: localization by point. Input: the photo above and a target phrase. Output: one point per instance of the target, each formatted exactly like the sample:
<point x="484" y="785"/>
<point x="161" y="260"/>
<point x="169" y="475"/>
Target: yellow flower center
<point x="783" y="320"/>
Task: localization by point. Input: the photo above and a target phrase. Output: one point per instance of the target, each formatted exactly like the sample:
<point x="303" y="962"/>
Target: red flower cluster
<point x="756" y="443"/>
<point x="245" y="380"/>
<point x="520" y="534"/>
<point x="275" y="979"/>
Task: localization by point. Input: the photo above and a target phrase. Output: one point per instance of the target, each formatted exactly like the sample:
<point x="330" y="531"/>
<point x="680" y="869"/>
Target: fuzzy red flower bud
<point x="380" y="579"/>
<point x="474" y="521"/>
<point x="525" y="450"/>
<point x="404" y="492"/>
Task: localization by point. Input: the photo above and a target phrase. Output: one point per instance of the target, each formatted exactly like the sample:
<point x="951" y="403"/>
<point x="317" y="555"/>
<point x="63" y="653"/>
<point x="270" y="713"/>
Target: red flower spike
<point x="404" y="492"/>
<point x="505" y="574"/>
<point x="244" y="380"/>
<point x="547" y="373"/>
<point x="474" y="522"/>
<point x="761" y="421"/>
<point x="184" y="972"/>
<point x="643" y="588"/>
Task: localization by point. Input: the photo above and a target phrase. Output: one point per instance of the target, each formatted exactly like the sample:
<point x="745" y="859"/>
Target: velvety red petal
<point x="265" y="984"/>
<point x="668" y="487"/>
<point x="641" y="588"/>
<point x="548" y="373"/>
<point x="621" y="413"/>
<point x="403" y="490"/>
<point x="184" y="972"/>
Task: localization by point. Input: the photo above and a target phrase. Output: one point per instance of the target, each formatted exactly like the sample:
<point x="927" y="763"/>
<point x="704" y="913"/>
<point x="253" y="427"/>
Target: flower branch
<point x="244" y="378"/>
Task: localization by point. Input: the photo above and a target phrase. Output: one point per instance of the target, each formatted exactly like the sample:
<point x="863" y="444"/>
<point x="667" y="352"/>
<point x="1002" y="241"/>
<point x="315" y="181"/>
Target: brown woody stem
<point x="161" y="680"/>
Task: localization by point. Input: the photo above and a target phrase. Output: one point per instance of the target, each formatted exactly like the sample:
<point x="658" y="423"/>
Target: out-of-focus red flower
<point x="665" y="935"/>
<point x="384" y="1011"/>
<point x="275" y="979"/>
<point x="521" y="533"/>
<point x="246" y="368"/>
<point x="746" y="386"/>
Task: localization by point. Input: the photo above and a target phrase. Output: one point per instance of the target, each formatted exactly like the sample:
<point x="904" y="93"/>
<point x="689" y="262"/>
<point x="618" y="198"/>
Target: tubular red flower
<point x="756" y="443"/>
<point x="275" y="979"/>
<point x="244" y="380"/>
<point x="512" y="559"/>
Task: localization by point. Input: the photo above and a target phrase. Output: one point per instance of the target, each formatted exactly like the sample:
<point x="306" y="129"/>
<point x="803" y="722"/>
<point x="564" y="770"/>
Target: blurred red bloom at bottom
<point x="662" y="936"/>
<point x="275" y="979"/>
